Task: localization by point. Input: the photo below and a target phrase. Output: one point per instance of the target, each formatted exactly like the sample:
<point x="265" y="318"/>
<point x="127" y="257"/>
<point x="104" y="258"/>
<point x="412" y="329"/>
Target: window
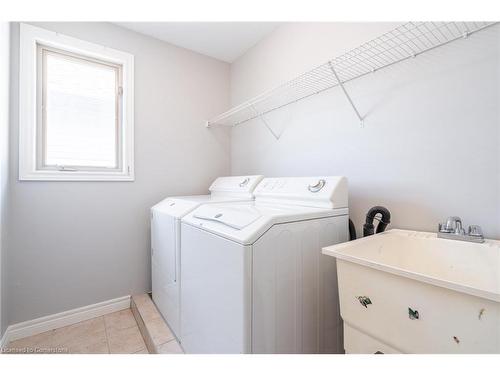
<point x="76" y="109"/>
<point x="80" y="118"/>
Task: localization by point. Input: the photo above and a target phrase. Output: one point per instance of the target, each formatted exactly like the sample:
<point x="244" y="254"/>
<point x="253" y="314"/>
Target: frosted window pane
<point x="80" y="125"/>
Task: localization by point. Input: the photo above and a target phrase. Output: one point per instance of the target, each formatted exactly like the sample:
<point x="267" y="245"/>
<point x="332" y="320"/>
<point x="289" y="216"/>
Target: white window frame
<point x="30" y="167"/>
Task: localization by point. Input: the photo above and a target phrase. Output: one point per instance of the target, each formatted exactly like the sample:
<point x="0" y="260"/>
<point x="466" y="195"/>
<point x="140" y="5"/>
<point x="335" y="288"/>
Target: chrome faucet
<point x="453" y="230"/>
<point x="453" y="225"/>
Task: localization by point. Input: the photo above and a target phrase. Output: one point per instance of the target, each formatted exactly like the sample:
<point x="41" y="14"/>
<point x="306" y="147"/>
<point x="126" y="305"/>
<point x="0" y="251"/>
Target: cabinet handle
<point x="364" y="300"/>
<point x="413" y="314"/>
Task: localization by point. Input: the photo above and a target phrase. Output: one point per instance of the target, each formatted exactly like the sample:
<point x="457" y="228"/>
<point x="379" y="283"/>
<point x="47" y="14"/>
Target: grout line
<point x="164" y="342"/>
<point x="121" y="328"/>
<point x="106" y="334"/>
<point x="134" y="324"/>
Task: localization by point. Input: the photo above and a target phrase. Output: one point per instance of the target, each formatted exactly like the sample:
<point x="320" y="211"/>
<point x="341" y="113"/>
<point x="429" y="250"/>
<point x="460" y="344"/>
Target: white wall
<point x="4" y="146"/>
<point x="430" y="145"/>
<point x="76" y="243"/>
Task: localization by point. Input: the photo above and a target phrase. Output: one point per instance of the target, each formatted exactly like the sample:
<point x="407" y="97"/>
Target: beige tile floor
<point x="112" y="333"/>
<point x="159" y="338"/>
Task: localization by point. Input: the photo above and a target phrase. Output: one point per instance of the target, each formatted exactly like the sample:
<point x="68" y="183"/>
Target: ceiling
<point x="225" y="41"/>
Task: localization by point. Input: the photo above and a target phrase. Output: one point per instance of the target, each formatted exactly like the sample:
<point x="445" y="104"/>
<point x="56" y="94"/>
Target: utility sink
<point x="410" y="292"/>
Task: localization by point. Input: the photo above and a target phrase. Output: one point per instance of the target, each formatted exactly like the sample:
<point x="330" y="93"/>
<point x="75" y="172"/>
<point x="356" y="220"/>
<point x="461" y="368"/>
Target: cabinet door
<point x="412" y="316"/>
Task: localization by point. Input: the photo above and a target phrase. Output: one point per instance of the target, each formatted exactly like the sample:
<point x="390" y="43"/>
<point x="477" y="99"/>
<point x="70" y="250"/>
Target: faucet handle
<point x="443" y="228"/>
<point x="475" y="231"/>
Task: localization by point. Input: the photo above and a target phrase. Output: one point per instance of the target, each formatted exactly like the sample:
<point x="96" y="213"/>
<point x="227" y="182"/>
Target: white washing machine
<point x="254" y="279"/>
<point x="165" y="239"/>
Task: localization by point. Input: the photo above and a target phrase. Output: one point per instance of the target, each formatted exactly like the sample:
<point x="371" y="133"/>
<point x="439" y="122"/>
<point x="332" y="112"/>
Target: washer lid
<point x="235" y="186"/>
<point x="245" y="222"/>
<point x="235" y="217"/>
<point x="322" y="191"/>
<point x="180" y="206"/>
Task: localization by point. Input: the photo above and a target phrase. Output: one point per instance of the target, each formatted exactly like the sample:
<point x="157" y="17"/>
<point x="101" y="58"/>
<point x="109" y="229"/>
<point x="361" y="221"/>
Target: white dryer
<point x="254" y="279"/>
<point x="165" y="239"/>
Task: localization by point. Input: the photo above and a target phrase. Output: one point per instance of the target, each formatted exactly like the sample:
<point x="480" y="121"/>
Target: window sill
<point x="75" y="176"/>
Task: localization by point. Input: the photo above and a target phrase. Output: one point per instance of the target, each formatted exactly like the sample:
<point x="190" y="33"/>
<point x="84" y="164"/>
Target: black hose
<point x="368" y="227"/>
<point x="352" y="231"/>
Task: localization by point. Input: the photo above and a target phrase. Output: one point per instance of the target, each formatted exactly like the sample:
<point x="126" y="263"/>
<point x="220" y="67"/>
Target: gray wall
<point x="4" y="147"/>
<point x="430" y="145"/>
<point x="429" y="148"/>
<point x="72" y="244"/>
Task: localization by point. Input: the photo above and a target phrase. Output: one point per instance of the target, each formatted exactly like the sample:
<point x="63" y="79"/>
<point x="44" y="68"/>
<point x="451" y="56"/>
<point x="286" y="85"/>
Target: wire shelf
<point x="404" y="42"/>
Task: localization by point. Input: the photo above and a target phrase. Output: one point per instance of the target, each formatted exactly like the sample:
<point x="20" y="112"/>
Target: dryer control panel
<point x="321" y="191"/>
<point x="237" y="186"/>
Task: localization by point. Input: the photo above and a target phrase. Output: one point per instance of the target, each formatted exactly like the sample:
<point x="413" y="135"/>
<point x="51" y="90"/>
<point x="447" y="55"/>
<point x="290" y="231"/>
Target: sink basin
<point x="411" y="292"/>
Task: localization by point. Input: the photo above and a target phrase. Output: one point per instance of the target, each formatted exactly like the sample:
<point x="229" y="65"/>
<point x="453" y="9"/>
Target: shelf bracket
<point x="341" y="84"/>
<point x="261" y="117"/>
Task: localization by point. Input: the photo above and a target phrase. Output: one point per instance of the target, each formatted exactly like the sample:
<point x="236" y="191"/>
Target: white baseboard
<point x="62" y="319"/>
